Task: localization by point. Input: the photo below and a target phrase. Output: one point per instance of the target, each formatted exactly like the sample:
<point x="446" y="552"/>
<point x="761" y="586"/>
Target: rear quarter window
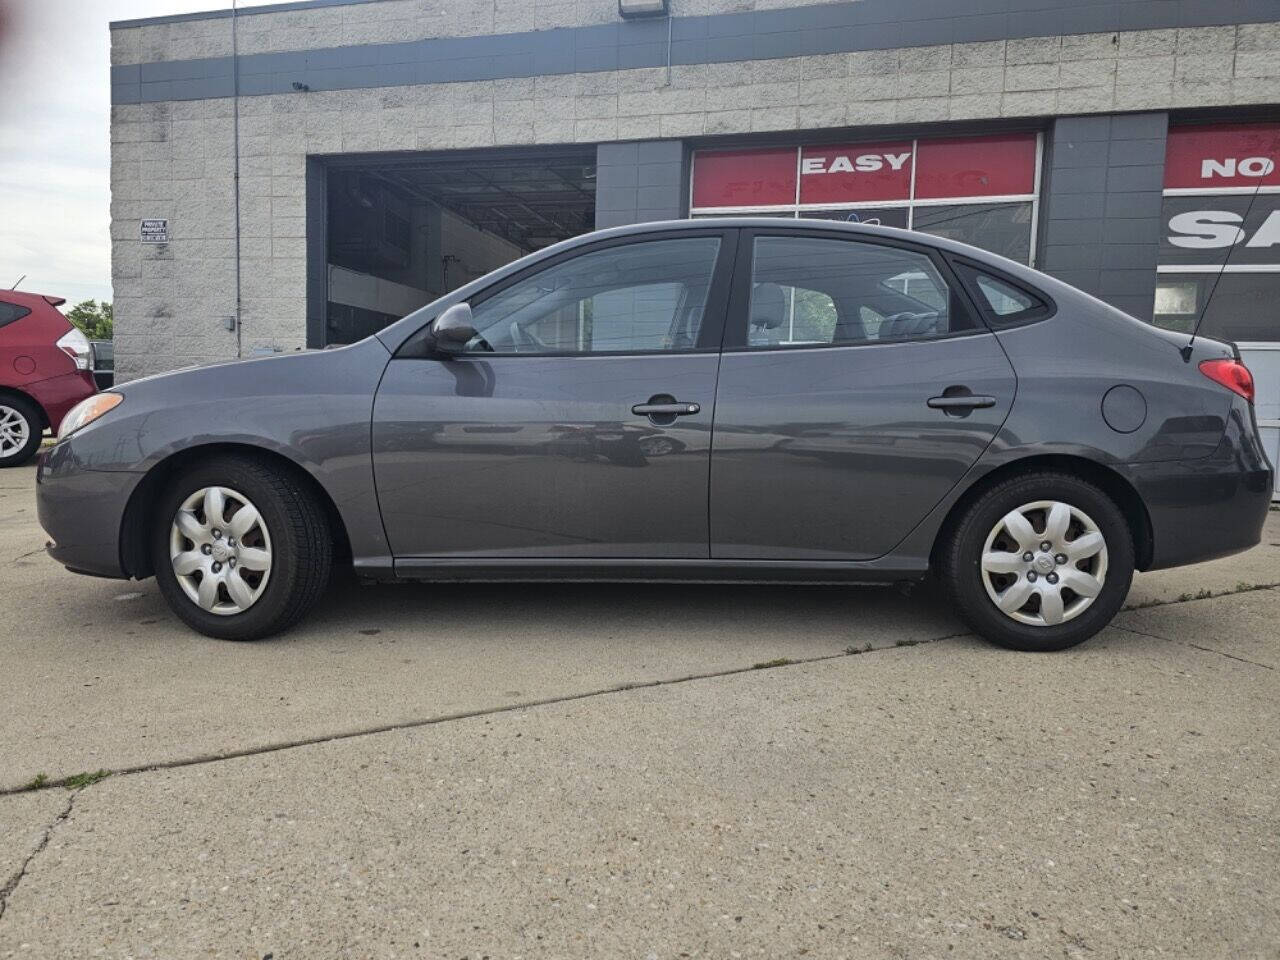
<point x="1003" y="301"/>
<point x="9" y="312"/>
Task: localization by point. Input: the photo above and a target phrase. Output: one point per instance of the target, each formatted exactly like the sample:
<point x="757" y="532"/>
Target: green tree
<point x="93" y="318"/>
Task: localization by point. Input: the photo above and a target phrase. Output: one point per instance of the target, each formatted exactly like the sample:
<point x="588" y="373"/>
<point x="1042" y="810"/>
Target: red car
<point x="46" y="368"/>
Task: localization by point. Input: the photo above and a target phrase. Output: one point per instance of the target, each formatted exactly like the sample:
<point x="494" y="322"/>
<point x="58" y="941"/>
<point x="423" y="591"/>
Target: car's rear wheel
<point x="1040" y="562"/>
<point x="20" y="429"/>
<point x="241" y="550"/>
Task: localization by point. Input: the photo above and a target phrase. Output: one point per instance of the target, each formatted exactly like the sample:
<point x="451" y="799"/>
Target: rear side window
<point x="810" y="291"/>
<point x="1004" y="301"/>
<point x="10" y="312"/>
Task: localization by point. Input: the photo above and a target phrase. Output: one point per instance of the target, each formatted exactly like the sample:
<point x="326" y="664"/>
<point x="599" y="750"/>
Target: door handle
<point x="665" y="409"/>
<point x="963" y="402"/>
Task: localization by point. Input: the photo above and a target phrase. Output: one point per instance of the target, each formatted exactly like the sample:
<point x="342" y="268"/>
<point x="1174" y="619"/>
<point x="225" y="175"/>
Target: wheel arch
<point x="135" y="557"/>
<point x="17" y="394"/>
<point x="1110" y="481"/>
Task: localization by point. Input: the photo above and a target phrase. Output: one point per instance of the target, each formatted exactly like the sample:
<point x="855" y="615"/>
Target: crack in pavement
<point x="1207" y="595"/>
<point x="471" y="714"/>
<point x="569" y="698"/>
<point x="1194" y="646"/>
<point x="30" y="553"/>
<point x="12" y="883"/>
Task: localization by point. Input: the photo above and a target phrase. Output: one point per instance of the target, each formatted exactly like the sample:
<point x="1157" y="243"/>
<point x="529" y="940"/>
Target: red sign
<point x="976" y="167"/>
<point x="881" y="172"/>
<point x="744" y="178"/>
<point x="1222" y="155"/>
<point x="855" y="172"/>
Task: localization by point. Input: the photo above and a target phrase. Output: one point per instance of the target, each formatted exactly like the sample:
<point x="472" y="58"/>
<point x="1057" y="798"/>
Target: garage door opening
<point x="404" y="230"/>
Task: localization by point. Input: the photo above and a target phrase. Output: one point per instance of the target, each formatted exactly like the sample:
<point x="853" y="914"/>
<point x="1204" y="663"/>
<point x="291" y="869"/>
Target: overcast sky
<point x="55" y="140"/>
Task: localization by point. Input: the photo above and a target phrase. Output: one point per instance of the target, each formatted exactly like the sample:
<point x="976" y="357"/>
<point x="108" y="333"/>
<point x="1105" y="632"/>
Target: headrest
<point x="768" y="306"/>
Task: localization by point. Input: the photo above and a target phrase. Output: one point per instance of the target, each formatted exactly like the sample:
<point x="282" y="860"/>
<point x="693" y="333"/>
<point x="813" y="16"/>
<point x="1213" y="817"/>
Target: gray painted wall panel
<point x="1101" y="224"/>
<point x="640" y="182"/>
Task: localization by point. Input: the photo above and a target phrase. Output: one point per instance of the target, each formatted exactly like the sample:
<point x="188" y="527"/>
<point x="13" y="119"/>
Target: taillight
<point x="76" y="346"/>
<point x="1232" y="374"/>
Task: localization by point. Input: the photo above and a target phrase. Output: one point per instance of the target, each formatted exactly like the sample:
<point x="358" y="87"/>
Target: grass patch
<point x="769" y="664"/>
<point x="36" y="782"/>
<point x="82" y="780"/>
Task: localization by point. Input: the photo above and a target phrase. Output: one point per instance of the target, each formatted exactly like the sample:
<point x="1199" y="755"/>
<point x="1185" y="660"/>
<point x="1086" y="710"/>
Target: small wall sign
<point x="155" y="231"/>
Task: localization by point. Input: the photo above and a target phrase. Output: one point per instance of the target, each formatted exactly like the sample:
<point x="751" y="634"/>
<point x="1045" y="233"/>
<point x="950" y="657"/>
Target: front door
<point x="855" y="390"/>
<point x="577" y="424"/>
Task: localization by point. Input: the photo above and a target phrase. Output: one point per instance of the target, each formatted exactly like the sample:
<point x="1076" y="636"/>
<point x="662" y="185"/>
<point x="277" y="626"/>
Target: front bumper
<point x="1209" y="508"/>
<point x="82" y="512"/>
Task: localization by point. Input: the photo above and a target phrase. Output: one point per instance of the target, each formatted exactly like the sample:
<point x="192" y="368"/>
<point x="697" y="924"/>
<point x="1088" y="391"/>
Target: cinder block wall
<point x="172" y="129"/>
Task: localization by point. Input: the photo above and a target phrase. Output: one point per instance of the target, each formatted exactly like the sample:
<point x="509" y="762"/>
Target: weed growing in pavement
<point x="85" y="779"/>
<point x="36" y="782"/>
<point x="767" y="664"/>
<point x="854" y="651"/>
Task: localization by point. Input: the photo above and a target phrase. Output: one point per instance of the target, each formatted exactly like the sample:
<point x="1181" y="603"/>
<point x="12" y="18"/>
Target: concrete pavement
<point x="935" y="800"/>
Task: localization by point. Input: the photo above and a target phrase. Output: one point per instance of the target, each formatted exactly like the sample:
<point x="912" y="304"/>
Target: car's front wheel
<point x="20" y="430"/>
<point x="1040" y="562"/>
<point x="241" y="550"/>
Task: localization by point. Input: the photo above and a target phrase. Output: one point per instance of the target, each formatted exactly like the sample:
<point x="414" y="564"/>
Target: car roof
<point x="27" y="299"/>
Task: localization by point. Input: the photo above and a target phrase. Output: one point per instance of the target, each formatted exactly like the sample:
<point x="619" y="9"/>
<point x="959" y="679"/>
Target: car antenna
<point x="20" y="279"/>
<point x="1186" y="349"/>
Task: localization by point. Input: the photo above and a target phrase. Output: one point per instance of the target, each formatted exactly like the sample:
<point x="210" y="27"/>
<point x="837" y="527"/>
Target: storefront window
<point x="1236" y="306"/>
<point x="875" y="216"/>
<point x="1220" y="246"/>
<point x="1003" y="228"/>
<point x="978" y="190"/>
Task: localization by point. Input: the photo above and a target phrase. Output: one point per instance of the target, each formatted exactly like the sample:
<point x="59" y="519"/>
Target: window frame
<point x="736" y="333"/>
<point x="966" y="270"/>
<point x="23" y="311"/>
<point x="710" y="335"/>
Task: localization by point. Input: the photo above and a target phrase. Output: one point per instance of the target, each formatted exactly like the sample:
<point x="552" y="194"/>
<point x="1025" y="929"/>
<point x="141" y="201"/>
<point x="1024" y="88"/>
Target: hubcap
<point x="1044" y="563"/>
<point x="14" y="431"/>
<point x="220" y="550"/>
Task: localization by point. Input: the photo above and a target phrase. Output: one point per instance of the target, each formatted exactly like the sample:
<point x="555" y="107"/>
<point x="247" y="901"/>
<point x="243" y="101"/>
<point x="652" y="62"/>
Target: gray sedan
<point x="733" y="399"/>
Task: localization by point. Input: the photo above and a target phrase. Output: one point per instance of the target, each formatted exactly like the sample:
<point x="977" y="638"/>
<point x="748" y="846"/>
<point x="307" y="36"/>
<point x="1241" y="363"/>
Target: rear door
<point x="578" y="422"/>
<point x="856" y="388"/>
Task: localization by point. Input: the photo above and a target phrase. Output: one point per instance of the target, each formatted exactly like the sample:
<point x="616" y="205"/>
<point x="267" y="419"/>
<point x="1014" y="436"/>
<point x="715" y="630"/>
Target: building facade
<point x="298" y="175"/>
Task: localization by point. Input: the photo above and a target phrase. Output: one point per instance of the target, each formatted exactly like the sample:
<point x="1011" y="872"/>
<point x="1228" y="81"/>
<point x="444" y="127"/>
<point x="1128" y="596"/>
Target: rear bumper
<point x="1203" y="509"/>
<point x="58" y="395"/>
<point x="81" y="511"/>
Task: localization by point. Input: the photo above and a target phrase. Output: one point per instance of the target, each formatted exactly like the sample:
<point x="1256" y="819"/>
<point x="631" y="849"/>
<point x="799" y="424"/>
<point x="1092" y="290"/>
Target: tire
<point x="21" y="430"/>
<point x="290" y="529"/>
<point x="977" y="587"/>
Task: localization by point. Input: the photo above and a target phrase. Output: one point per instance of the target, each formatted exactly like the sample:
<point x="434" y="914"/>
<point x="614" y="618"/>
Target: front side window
<point x="635" y="298"/>
<point x="808" y="291"/>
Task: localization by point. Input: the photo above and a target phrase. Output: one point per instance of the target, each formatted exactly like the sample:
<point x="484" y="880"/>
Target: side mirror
<point x="453" y="329"/>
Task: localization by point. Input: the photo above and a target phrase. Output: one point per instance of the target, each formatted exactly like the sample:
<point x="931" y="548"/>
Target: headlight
<point x="87" y="411"/>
